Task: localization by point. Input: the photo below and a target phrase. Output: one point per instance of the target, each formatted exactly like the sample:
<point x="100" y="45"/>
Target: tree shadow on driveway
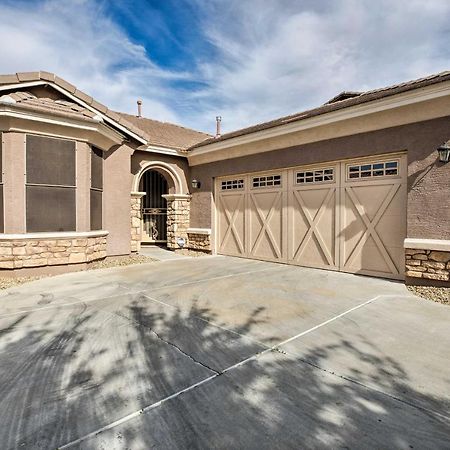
<point x="71" y="371"/>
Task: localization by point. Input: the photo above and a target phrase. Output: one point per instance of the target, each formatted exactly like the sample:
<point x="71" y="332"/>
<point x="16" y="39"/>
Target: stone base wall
<point x="27" y="253"/>
<point x="428" y="264"/>
<point x="178" y="211"/>
<point x="136" y="222"/>
<point x="199" y="241"/>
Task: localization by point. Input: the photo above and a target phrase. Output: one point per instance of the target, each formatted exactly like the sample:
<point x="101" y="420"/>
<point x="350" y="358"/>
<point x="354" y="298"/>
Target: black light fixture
<point x="444" y="152"/>
<point x="195" y="184"/>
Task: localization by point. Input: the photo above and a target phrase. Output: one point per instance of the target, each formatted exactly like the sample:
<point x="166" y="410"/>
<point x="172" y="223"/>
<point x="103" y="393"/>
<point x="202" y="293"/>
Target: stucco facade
<point x="412" y="122"/>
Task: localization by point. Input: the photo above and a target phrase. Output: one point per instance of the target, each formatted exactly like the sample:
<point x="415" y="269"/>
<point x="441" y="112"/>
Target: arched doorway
<point x="154" y="207"/>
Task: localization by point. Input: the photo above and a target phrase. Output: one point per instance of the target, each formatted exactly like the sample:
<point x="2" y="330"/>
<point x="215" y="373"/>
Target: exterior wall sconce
<point x="195" y="184"/>
<point x="444" y="152"/>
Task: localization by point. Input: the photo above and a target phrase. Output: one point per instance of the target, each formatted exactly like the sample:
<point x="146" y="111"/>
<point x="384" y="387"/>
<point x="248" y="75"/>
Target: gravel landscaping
<point x="6" y="282"/>
<point x="435" y="294"/>
<point x="124" y="261"/>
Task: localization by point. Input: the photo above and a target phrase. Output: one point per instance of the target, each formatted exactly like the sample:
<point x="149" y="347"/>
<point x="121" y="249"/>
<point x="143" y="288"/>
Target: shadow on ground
<point x="62" y="379"/>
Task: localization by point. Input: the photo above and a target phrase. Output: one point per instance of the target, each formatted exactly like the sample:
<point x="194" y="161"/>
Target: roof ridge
<point x="365" y="96"/>
<point x="164" y="123"/>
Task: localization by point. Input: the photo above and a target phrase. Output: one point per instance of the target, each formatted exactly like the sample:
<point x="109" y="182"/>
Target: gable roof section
<point x="63" y="108"/>
<point x="364" y="97"/>
<point x="166" y="134"/>
<point x="28" y="79"/>
<point x="147" y="131"/>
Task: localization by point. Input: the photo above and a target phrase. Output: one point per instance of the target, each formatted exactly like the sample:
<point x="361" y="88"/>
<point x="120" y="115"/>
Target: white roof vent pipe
<point x="139" y="108"/>
<point x="218" y="122"/>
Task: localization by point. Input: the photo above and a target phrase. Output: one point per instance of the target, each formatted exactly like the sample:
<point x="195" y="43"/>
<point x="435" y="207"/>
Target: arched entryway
<point x="154" y="207"/>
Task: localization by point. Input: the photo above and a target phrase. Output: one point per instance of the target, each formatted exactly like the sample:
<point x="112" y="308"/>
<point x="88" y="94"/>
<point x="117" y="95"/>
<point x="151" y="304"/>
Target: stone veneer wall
<point x="178" y="211"/>
<point x="428" y="264"/>
<point x="24" y="253"/>
<point x="199" y="241"/>
<point x="136" y="222"/>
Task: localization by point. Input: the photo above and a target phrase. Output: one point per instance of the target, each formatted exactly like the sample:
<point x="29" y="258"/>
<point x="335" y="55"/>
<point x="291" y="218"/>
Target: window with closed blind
<point x="96" y="188"/>
<point x="50" y="184"/>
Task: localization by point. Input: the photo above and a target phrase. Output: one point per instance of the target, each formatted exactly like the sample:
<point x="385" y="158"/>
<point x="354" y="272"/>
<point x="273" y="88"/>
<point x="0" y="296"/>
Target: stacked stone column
<point x="136" y="221"/>
<point x="178" y="210"/>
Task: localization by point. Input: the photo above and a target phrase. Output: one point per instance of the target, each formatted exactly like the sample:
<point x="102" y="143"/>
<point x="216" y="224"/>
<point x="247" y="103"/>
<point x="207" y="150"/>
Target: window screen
<point x="96" y="189"/>
<point x="1" y="186"/>
<point x="50" y="184"/>
<point x="50" y="161"/>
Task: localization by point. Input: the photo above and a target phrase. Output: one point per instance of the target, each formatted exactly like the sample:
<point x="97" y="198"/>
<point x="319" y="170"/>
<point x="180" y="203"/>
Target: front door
<point x="154" y="208"/>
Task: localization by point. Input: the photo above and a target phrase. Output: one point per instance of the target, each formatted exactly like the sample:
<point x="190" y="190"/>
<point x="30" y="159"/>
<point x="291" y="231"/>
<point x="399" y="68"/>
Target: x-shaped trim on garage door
<point x="313" y="231"/>
<point x="231" y="218"/>
<point x="370" y="227"/>
<point x="265" y="224"/>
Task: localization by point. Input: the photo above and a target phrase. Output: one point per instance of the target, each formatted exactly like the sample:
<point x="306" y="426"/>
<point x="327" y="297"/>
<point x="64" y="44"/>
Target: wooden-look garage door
<point x="347" y="216"/>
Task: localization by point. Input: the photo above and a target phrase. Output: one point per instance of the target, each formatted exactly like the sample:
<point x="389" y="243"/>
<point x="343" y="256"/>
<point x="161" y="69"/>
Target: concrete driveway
<point x="222" y="353"/>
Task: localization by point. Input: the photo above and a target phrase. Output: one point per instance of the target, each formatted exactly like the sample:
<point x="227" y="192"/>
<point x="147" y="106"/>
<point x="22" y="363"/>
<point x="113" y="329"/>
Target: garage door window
<point x="269" y="180"/>
<point x="232" y="184"/>
<point x="315" y="176"/>
<point x="379" y="169"/>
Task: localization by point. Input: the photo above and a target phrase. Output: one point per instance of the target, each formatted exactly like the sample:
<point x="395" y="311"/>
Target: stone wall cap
<point x="199" y="230"/>
<point x="177" y="196"/>
<point x="427" y="244"/>
<point x="138" y="194"/>
<point x="53" y="235"/>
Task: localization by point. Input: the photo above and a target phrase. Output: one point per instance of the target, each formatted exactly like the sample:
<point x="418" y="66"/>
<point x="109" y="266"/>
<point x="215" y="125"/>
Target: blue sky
<point x="247" y="60"/>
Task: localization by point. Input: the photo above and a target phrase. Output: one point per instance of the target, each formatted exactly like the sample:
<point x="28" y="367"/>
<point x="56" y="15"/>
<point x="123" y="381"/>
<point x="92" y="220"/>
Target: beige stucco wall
<point x="117" y="179"/>
<point x="83" y="161"/>
<point x="428" y="207"/>
<point x="178" y="165"/>
<point x="13" y="147"/>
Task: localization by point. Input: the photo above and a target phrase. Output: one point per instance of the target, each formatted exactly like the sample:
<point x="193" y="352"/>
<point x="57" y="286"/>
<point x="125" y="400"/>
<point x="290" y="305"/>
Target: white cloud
<point x="77" y="41"/>
<point x="273" y="57"/>
<point x="280" y="57"/>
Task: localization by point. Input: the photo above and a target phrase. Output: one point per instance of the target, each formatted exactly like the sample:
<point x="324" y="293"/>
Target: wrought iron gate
<point x="154" y="208"/>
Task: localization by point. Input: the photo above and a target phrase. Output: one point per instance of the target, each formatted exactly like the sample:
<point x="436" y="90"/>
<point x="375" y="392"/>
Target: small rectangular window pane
<point x="50" y="209"/>
<point x="391" y="164"/>
<point x="50" y="161"/>
<point x="96" y="210"/>
<point x="96" y="168"/>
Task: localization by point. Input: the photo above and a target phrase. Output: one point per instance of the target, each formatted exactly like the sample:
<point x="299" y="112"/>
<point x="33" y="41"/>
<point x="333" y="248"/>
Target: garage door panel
<point x="347" y="216"/>
<point x="231" y="224"/>
<point x="313" y="225"/>
<point x="265" y="223"/>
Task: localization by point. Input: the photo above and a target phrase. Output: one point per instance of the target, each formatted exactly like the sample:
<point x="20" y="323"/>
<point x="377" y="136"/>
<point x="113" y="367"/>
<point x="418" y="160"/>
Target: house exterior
<point x="355" y="185"/>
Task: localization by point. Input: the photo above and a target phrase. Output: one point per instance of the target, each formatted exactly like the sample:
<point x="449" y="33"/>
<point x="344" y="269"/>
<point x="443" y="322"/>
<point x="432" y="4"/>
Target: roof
<point x="335" y="105"/>
<point x="26" y="100"/>
<point x="152" y="132"/>
<point x="166" y="134"/>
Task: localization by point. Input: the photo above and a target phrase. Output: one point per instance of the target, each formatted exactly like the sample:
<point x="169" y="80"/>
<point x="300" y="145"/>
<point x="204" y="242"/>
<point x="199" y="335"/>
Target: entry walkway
<point x="160" y="253"/>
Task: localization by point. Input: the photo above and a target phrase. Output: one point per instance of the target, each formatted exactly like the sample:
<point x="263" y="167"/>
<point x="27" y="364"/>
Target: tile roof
<point x="64" y="108"/>
<point x="152" y="131"/>
<point x="166" y="134"/>
<point x="356" y="99"/>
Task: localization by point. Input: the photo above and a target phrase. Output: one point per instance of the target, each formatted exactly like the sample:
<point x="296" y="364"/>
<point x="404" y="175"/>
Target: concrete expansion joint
<point x="175" y="346"/>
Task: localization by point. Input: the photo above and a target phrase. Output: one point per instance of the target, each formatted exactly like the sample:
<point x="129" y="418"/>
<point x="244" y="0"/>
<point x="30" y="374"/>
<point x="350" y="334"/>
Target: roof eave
<point x="377" y="105"/>
<point x="76" y="99"/>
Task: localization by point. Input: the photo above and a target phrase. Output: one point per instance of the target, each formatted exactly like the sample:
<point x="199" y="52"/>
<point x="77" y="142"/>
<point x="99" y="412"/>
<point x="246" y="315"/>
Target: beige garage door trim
<point x="346" y="215"/>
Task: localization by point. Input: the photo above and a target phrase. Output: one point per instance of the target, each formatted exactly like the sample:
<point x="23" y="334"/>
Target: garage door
<point x="348" y="216"/>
